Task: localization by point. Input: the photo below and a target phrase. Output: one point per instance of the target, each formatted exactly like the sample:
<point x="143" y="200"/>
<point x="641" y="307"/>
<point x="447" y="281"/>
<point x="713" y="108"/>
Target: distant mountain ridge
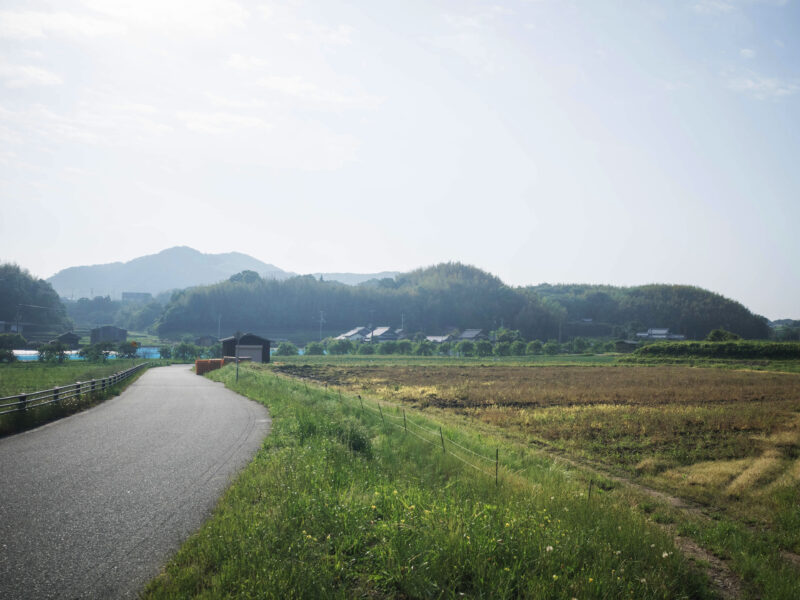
<point x="174" y="268"/>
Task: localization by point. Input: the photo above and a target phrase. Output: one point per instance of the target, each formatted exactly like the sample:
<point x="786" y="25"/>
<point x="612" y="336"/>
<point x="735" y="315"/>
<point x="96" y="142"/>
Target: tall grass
<point x="337" y="504"/>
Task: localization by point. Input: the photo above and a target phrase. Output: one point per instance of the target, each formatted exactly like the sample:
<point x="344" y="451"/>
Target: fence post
<point x="405" y="425"/>
<point x="496" y="464"/>
<point x="24" y="399"/>
<point x="92" y="388"/>
<point x="442" y="436"/>
<point x="591" y="481"/>
<point x="382" y="419"/>
<point x="362" y="403"/>
<point x="55" y="394"/>
<point x="340" y="395"/>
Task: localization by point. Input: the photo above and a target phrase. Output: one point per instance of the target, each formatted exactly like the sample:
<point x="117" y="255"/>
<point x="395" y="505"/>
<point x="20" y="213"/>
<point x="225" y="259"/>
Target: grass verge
<point x="337" y="504"/>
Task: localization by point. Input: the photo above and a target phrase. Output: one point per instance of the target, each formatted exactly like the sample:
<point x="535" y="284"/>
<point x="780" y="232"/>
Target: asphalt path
<point x="92" y="506"/>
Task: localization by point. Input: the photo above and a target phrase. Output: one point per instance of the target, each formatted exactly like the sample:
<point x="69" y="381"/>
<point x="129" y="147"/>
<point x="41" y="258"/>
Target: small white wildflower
<point x="549" y="549"/>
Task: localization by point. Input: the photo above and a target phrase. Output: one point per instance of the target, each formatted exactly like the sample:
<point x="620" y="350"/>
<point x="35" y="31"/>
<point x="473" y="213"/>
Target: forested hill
<point x="684" y="309"/>
<point x="451" y="295"/>
<point x="31" y="302"/>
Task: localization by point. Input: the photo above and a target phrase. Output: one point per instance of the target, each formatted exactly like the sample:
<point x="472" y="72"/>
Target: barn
<point x="108" y="333"/>
<point x="251" y="346"/>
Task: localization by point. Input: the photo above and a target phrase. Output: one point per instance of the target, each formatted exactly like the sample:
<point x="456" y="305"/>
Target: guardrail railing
<point x="28" y="400"/>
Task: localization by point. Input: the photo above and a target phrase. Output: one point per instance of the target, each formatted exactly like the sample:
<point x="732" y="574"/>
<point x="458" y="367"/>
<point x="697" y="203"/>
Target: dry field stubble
<point x="722" y="437"/>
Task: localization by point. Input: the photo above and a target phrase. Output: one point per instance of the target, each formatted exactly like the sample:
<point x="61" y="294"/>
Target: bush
<point x="720" y="335"/>
<point x="340" y="347"/>
<point x="534" y="347"/>
<point x="387" y="347"/>
<point x="366" y="349"/>
<point x="7" y="356"/>
<point x="286" y="349"/>
<point x="552" y="348"/>
<point x="518" y="348"/>
<point x="424" y="348"/>
<point x="127" y="349"/>
<point x="736" y="349"/>
<point x="465" y="348"/>
<point x="314" y="349"/>
<point x="444" y="348"/>
<point x="96" y="352"/>
<point x="502" y="349"/>
<point x="186" y="352"/>
<point x="483" y="348"/>
<point x="12" y="341"/>
<point x="404" y="347"/>
<point x="54" y="352"/>
<point x="165" y="352"/>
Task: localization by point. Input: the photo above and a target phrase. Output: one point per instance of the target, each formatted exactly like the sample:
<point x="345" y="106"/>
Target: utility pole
<point x="219" y="326"/>
<point x="321" y="321"/>
<point x="238" y="337"/>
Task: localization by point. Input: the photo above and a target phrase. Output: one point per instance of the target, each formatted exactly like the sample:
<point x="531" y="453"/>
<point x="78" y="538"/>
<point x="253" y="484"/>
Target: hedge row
<point x="737" y="349"/>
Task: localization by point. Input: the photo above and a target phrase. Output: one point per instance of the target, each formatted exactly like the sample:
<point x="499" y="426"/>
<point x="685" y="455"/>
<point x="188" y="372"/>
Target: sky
<point x="623" y="142"/>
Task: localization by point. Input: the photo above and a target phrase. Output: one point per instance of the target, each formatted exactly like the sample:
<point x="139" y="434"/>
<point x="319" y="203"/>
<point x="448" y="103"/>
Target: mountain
<point x="175" y="268"/>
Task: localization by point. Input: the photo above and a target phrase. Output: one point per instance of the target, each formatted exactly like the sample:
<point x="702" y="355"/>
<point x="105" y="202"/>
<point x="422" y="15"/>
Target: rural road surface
<point x="93" y="505"/>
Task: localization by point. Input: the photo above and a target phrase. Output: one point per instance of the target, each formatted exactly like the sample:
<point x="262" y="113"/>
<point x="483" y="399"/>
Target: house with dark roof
<point x="70" y="339"/>
<point x="472" y="335"/>
<point x="381" y="334"/>
<point x="108" y="333"/>
<point x="438" y="339"/>
<point x="250" y="346"/>
<point x="354" y="335"/>
<point x="659" y="334"/>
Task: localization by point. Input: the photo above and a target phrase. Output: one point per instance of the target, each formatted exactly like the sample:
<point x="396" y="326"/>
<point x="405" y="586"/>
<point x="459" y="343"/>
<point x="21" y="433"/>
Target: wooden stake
<point x="442" y="436"/>
<point x="405" y="425"/>
<point x="496" y="464"/>
<point x="382" y="419"/>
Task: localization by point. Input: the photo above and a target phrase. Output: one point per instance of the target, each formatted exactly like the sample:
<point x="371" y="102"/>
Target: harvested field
<point x="725" y="438"/>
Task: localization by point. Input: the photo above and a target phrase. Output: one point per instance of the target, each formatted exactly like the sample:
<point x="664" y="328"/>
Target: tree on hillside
<point x="30" y="301"/>
<point x="720" y="335"/>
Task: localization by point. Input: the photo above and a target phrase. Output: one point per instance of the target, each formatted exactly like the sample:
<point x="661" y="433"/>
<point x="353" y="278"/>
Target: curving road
<point x="92" y="506"/>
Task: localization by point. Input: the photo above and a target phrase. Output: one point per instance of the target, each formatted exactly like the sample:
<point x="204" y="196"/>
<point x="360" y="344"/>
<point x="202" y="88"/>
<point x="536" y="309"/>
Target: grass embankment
<point x="21" y="377"/>
<point x="337" y="504"/>
<point x="727" y="439"/>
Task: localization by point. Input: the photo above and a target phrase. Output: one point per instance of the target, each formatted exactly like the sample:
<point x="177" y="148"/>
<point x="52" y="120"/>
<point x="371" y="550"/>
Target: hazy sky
<point x="623" y="142"/>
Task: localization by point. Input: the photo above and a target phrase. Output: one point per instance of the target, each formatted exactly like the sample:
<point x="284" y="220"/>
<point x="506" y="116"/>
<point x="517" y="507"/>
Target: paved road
<point x="93" y="505"/>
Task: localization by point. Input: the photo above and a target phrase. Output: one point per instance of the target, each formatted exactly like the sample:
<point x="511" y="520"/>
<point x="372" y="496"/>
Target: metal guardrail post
<point x="92" y="386"/>
<point x="55" y="394"/>
<point x="24" y="399"/>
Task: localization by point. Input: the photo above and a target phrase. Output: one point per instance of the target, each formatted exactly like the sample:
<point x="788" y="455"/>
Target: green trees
<point x="314" y="349"/>
<point x="518" y="348"/>
<point x="366" y="349"/>
<point x="552" y="348"/>
<point x="30" y="300"/>
<point x="534" y="347"/>
<point x="424" y="348"/>
<point x="96" y="352"/>
<point x="720" y="335"/>
<point x="387" y="347"/>
<point x="127" y="349"/>
<point x="186" y="352"/>
<point x="483" y="348"/>
<point x="403" y="347"/>
<point x="502" y="349"/>
<point x="286" y="349"/>
<point x="465" y="348"/>
<point x="165" y="352"/>
<point x="53" y="352"/>
<point x="340" y="347"/>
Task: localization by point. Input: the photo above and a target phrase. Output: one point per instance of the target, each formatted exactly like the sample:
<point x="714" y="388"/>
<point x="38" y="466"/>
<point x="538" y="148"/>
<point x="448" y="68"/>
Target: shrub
<point x="96" y="352"/>
<point x="340" y="347"/>
<point x="314" y="349"/>
<point x="424" y="348"/>
<point x="12" y="341"/>
<point x="483" y="348"/>
<point x="387" y="347"/>
<point x="186" y="352"/>
<point x="404" y="347"/>
<point x="127" y="349"/>
<point x="720" y="335"/>
<point x="465" y="348"/>
<point x="552" y="348"/>
<point x="518" y="348"/>
<point x="366" y="349"/>
<point x="165" y="352"/>
<point x="7" y="356"/>
<point x="54" y="352"/>
<point x="286" y="349"/>
<point x="534" y="347"/>
<point x="502" y="349"/>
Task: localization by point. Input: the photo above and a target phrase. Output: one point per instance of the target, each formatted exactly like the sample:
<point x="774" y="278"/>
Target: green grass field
<point x="338" y="504"/>
<point x="20" y="377"/>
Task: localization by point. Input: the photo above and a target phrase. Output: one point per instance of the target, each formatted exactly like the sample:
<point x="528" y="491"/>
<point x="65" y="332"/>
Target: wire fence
<point x="403" y="423"/>
<point x="29" y="400"/>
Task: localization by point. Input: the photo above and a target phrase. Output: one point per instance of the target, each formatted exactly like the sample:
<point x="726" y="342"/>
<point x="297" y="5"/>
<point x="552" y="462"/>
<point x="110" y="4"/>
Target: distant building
<point x="381" y="334"/>
<point x="69" y="339"/>
<point x="354" y="335"/>
<point x="472" y="335"/>
<point x="250" y="346"/>
<point x="136" y="296"/>
<point x="205" y="341"/>
<point x="438" y="339"/>
<point x="659" y="334"/>
<point x="108" y="333"/>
